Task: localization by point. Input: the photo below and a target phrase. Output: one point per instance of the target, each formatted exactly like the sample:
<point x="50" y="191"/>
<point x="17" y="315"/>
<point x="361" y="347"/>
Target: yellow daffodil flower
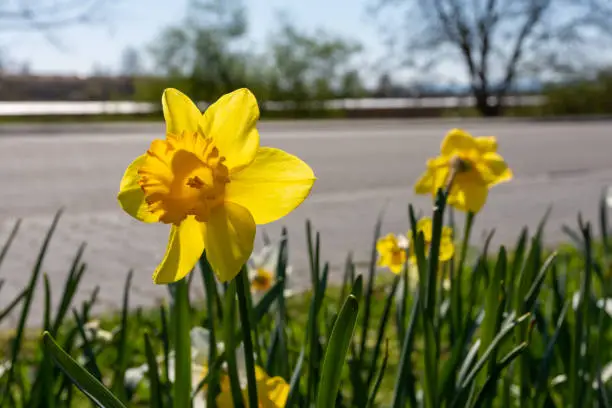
<point x="472" y="163"/>
<point x="447" y="248"/>
<point x="213" y="183"/>
<point x="272" y="392"/>
<point x="392" y="252"/>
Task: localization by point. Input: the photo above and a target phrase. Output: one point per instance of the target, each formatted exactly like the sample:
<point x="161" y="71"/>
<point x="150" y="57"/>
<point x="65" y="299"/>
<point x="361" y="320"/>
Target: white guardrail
<point x="23" y="108"/>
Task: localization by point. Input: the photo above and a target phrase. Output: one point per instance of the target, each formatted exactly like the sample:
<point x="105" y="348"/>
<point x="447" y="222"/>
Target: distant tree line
<point x="497" y="45"/>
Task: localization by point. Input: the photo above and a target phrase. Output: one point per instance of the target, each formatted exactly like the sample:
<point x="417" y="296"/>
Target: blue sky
<point x="136" y="23"/>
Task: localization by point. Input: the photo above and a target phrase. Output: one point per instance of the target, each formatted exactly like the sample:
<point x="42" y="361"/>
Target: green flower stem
<point x="182" y="345"/>
<point x="456" y="280"/>
<point x="242" y="286"/>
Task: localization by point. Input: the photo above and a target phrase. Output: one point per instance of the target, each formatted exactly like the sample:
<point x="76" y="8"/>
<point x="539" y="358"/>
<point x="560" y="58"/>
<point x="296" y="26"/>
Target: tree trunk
<point x="486" y="107"/>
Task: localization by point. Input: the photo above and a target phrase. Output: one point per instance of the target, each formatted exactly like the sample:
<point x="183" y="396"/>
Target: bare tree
<point x="498" y="41"/>
<point x="47" y="14"/>
<point x="131" y="62"/>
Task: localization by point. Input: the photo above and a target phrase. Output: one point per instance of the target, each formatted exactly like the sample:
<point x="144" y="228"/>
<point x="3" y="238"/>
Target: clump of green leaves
<point x="518" y="326"/>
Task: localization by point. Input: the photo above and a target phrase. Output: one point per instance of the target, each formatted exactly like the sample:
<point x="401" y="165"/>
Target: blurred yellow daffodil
<point x="272" y="392"/>
<point x="447" y="248"/>
<point x="471" y="166"/>
<point x="392" y="252"/>
<point x="213" y="183"/>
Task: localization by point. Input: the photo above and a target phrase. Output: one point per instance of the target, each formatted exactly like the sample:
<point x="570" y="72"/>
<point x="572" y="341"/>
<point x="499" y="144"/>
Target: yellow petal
<point x="437" y="162"/>
<point x="425" y="225"/>
<point x="383" y="244"/>
<point x="424" y="184"/>
<point x="180" y="113"/>
<point x="396" y="268"/>
<point x="185" y="247"/>
<point x="224" y="400"/>
<point x="431" y="181"/>
<point x="468" y="195"/>
<point x="230" y="122"/>
<point x="276" y="393"/>
<point x="447" y="248"/>
<point x="486" y="144"/>
<point x="230" y="233"/>
<point x="272" y="186"/>
<point x="457" y="141"/>
<point x="131" y="197"/>
<point x="497" y="168"/>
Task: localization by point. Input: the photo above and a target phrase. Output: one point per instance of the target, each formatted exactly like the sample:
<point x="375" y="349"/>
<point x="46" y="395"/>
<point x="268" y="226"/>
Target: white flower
<point x="606" y="304"/>
<point x="133" y="376"/>
<point x="94" y="333"/>
<point x="262" y="267"/>
<point x="4" y="367"/>
<point x="402" y="241"/>
<point x="200" y="351"/>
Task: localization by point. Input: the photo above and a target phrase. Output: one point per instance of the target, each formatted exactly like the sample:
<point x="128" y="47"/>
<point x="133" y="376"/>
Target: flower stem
<point x="242" y="285"/>
<point x="456" y="282"/>
<point x="182" y="345"/>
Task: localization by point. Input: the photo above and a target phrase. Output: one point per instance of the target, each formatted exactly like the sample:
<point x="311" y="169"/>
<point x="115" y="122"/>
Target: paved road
<point x="361" y="165"/>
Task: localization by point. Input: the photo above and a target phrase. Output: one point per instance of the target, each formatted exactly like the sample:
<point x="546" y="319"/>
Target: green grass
<point x="442" y="362"/>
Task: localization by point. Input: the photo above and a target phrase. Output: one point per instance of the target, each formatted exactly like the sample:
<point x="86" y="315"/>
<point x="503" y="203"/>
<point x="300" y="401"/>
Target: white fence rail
<point x="59" y="108"/>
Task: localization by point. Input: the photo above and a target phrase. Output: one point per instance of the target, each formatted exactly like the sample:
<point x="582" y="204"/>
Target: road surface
<point x="362" y="166"/>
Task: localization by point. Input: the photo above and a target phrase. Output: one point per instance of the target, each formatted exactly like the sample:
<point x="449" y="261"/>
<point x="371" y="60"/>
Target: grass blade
<point x="379" y="377"/>
<point x="488" y="388"/>
<point x="501" y="336"/>
<point x="9" y="240"/>
<point x="381" y="328"/>
<point x="275" y="293"/>
<point x="121" y="363"/>
<point x="405" y="365"/>
<point x="294" y="384"/>
<point x="210" y="286"/>
<point x="230" y="344"/>
<point x="155" y="390"/>
<point x="92" y="365"/>
<point x="86" y="382"/>
<point x="7" y="310"/>
<point x="27" y="303"/>
<point x="335" y="355"/>
<point x="370" y="287"/>
<point x="72" y="282"/>
<point x="534" y="291"/>
<point x="242" y="286"/>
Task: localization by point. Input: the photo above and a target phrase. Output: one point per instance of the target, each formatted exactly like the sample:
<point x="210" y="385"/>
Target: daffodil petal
<point x="272" y="186"/>
<point x="497" y="168"/>
<point x="224" y="400"/>
<point x="131" y="197"/>
<point x="230" y="233"/>
<point x="185" y="247"/>
<point x="180" y="113"/>
<point x="468" y="195"/>
<point x="437" y="162"/>
<point x="487" y="144"/>
<point x="276" y="392"/>
<point x="447" y="248"/>
<point x="431" y="181"/>
<point x="385" y="243"/>
<point x="396" y="268"/>
<point x="457" y="140"/>
<point x="230" y="122"/>
<point x="424" y="184"/>
<point x="425" y="225"/>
